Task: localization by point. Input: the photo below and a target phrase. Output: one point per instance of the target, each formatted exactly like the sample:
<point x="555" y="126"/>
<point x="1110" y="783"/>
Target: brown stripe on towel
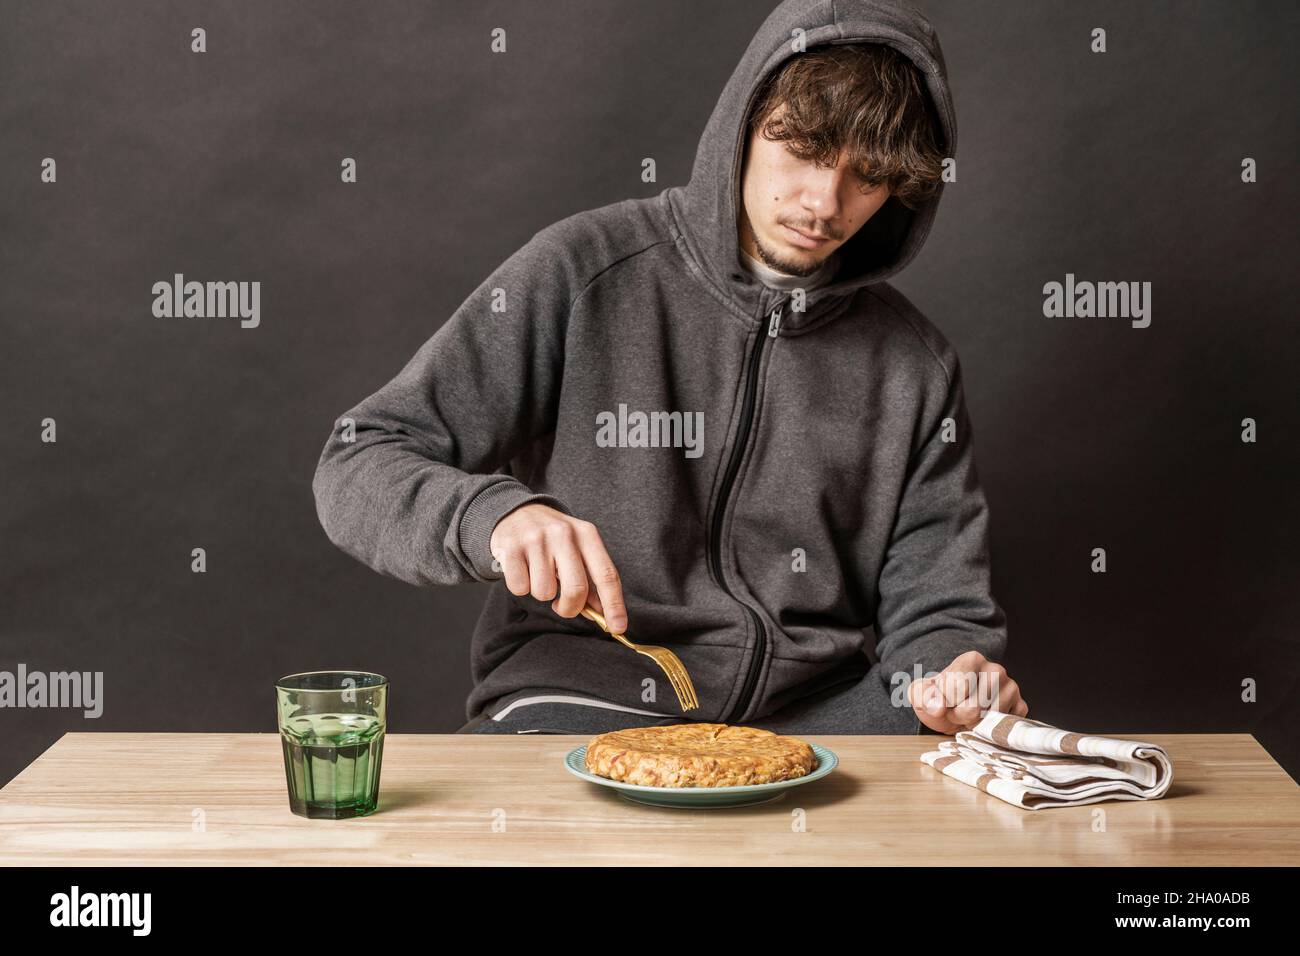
<point x="1070" y="744"/>
<point x="1104" y="761"/>
<point x="1002" y="730"/>
<point x="942" y="762"/>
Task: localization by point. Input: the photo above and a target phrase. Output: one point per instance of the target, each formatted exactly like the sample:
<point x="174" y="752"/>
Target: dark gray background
<point x="175" y="434"/>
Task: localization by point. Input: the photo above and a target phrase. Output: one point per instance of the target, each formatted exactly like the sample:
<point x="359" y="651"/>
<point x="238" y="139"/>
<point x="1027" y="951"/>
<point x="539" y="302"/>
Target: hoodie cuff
<point x="482" y="514"/>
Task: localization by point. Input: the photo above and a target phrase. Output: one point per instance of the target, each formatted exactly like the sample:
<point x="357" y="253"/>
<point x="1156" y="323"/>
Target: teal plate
<point x="701" y="798"/>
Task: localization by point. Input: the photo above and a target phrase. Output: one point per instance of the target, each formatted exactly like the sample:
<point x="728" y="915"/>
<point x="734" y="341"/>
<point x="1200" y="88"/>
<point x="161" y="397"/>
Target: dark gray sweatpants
<point x="852" y="707"/>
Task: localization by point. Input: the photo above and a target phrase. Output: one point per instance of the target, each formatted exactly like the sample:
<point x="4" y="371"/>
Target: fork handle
<point x="591" y="614"/>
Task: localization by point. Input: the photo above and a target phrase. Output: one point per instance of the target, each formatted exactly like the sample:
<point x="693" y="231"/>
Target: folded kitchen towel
<point x="1036" y="765"/>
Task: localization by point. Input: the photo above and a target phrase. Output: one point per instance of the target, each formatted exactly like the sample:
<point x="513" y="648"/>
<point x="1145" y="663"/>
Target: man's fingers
<point x="958" y="702"/>
<point x="541" y="574"/>
<point x="970" y="695"/>
<point x="985" y="690"/>
<point x="968" y="688"/>
<point x="967" y="713"/>
<point x="1009" y="698"/>
<point x="924" y="695"/>
<point x="573" y="580"/>
<point x="914" y="691"/>
<point x="941" y="725"/>
<point x="604" y="575"/>
<point x="515" y="569"/>
<point x="957" y="687"/>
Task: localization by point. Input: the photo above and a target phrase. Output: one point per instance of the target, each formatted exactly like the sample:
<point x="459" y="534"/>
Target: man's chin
<point x="802" y="267"/>
<point x="795" y="262"/>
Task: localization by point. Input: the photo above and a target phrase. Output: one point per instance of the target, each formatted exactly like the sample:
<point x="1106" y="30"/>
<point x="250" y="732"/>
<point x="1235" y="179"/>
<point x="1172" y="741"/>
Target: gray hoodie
<point x="824" y="523"/>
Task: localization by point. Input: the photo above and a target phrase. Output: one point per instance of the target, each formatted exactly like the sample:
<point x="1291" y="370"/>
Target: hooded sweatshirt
<point x="790" y="496"/>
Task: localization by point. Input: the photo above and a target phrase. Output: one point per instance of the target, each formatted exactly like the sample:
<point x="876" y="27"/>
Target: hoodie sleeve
<point x="418" y="489"/>
<point x="935" y="590"/>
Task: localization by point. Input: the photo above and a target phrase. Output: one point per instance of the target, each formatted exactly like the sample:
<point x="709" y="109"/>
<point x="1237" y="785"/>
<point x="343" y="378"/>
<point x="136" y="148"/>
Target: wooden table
<point x="177" y="799"/>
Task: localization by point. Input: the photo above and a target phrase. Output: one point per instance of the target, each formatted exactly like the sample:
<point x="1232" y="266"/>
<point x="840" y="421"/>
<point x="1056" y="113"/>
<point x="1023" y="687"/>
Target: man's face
<point x="786" y="199"/>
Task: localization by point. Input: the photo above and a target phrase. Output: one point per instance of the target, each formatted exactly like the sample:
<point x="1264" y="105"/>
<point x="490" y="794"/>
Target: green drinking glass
<point x="332" y="733"/>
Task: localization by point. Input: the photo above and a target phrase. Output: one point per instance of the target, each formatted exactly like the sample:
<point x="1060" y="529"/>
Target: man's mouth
<point x="803" y="239"/>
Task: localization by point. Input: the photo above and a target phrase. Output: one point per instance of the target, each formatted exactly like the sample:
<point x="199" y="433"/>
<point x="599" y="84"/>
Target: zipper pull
<point x="775" y="324"/>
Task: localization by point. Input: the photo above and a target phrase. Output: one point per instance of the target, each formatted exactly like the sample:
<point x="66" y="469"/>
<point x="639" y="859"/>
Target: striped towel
<point x="1001" y="756"/>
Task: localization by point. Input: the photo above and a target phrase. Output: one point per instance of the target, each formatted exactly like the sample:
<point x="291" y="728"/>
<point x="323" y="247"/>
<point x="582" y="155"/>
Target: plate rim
<point x="827" y="761"/>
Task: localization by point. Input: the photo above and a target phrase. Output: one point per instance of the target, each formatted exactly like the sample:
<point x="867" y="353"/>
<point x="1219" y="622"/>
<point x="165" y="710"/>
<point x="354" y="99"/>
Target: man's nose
<point x="821" y="193"/>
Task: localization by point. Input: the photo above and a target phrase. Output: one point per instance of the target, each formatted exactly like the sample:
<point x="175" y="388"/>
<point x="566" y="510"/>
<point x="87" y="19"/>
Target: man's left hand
<point x="957" y="698"/>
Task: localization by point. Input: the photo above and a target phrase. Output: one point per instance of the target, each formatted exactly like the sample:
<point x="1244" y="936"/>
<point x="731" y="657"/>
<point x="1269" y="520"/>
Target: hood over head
<point x="706" y="208"/>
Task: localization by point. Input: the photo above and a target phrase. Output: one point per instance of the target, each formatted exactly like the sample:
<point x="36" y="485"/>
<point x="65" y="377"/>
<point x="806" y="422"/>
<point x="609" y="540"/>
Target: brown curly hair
<point x="865" y="98"/>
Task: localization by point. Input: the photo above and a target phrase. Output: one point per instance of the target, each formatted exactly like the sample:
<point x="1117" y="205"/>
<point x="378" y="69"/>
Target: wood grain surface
<point x="179" y="799"/>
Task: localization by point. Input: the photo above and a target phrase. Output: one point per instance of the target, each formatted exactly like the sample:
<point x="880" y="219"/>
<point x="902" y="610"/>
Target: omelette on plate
<point x="698" y="755"/>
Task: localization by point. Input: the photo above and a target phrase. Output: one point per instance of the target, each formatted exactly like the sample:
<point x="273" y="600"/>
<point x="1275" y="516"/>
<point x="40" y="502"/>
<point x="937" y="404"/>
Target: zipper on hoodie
<point x="720" y="513"/>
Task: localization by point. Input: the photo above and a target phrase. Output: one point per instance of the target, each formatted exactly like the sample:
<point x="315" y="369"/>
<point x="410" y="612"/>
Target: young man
<point x="707" y="414"/>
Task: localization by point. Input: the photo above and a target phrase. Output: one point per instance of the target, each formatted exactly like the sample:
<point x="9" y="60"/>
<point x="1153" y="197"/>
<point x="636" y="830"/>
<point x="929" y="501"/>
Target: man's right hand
<point x="534" y="543"/>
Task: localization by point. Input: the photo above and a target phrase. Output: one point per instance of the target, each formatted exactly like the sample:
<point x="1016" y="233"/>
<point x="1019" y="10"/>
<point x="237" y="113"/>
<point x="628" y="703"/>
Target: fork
<point x="669" y="662"/>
